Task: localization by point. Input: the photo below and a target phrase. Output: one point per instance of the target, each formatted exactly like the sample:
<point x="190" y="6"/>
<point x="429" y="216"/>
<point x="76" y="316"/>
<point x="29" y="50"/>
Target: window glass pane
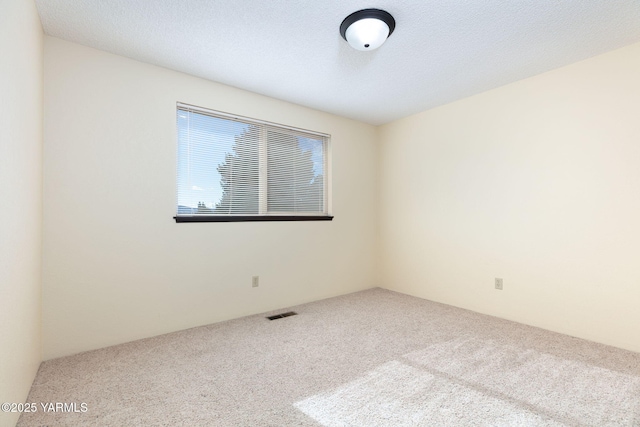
<point x="217" y="165"/>
<point x="239" y="175"/>
<point x="233" y="166"/>
<point x="295" y="180"/>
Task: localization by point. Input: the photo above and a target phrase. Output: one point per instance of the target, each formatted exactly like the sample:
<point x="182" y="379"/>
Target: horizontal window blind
<point x="235" y="166"/>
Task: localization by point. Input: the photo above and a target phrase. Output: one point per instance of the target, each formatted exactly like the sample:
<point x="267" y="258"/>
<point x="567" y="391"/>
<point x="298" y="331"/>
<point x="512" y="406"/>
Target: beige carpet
<point x="373" y="358"/>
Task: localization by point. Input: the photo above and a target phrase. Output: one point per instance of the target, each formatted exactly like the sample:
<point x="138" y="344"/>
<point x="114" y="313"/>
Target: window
<point x="232" y="168"/>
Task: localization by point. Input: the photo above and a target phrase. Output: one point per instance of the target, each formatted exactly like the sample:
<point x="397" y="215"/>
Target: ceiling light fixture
<point x="367" y="29"/>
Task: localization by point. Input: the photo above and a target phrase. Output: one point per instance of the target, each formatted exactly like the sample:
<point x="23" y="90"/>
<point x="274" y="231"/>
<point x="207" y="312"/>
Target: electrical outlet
<point x="255" y="281"/>
<point x="498" y="283"/>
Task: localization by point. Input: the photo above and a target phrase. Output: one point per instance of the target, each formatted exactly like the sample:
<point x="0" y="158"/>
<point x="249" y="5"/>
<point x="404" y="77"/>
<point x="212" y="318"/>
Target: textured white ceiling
<point x="441" y="50"/>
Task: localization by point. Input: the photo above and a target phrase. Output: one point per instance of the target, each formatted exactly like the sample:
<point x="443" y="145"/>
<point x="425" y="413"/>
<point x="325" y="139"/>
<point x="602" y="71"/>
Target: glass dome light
<point x="367" y="29"/>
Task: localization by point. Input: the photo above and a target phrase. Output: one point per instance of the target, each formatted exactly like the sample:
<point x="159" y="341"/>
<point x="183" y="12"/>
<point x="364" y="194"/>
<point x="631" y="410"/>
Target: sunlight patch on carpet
<point x="399" y="395"/>
<point x="566" y="389"/>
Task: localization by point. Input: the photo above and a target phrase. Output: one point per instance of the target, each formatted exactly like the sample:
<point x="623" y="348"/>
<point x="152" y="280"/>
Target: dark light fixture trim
<point x="378" y="14"/>
<point x="382" y="15"/>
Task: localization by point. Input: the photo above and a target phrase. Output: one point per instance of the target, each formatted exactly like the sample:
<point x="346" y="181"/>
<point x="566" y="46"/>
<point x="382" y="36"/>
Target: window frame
<point x="262" y="216"/>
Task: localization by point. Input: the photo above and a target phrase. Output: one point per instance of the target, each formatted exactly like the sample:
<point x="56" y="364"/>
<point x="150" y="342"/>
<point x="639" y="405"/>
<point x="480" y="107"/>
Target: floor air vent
<point x="280" y="316"/>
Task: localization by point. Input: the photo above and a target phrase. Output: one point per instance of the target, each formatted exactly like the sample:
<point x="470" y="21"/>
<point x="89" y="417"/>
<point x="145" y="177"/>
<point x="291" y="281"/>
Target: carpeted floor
<point x="373" y="358"/>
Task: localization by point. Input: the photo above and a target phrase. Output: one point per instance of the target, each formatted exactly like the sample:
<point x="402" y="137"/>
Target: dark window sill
<point x="224" y="218"/>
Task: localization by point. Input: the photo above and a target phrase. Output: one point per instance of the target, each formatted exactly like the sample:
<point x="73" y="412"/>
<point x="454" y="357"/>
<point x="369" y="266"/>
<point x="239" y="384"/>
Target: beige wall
<point x="21" y="195"/>
<point x="535" y="182"/>
<point x="538" y="183"/>
<point x="116" y="265"/>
